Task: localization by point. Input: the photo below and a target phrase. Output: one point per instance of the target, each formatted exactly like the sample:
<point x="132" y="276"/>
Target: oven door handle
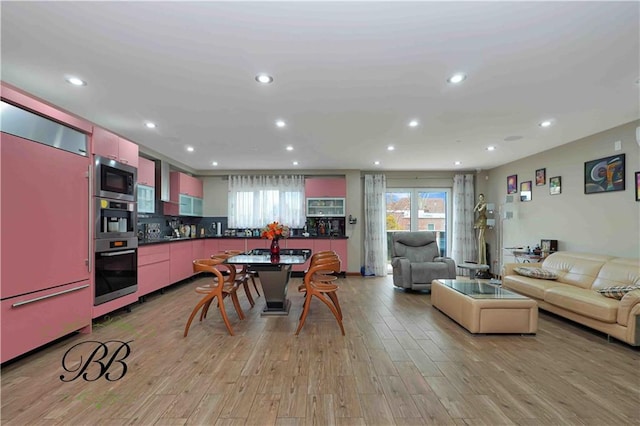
<point x="117" y="253"/>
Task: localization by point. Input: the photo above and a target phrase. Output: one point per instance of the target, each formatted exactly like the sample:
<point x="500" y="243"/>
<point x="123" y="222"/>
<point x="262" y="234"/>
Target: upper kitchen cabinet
<point x="325" y="187"/>
<point x="186" y="191"/>
<point x="112" y="146"/>
<point x="146" y="185"/>
<point x="146" y="172"/>
<point x="325" y="207"/>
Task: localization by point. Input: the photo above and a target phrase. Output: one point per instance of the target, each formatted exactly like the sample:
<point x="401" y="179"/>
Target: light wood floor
<point x="401" y="362"/>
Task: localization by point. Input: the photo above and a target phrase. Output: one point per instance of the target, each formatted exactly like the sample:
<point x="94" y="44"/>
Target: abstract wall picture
<point x="512" y="184"/>
<point x="555" y="185"/>
<point x="604" y="175"/>
<point x="541" y="177"/>
<point x="525" y="191"/>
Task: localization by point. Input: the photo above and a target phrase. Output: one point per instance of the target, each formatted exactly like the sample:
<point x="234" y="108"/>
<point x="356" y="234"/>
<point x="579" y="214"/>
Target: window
<point x="255" y="201"/>
<point x="420" y="209"/>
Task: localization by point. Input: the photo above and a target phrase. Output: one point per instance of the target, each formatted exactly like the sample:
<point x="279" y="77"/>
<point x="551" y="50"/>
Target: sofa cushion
<point x="536" y="273"/>
<point x="588" y="303"/>
<point x="618" y="272"/>
<point x="578" y="269"/>
<point x="531" y="287"/>
<point x="617" y="292"/>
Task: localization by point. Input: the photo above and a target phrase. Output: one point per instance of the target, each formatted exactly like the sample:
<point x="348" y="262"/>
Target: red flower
<point x="275" y="231"/>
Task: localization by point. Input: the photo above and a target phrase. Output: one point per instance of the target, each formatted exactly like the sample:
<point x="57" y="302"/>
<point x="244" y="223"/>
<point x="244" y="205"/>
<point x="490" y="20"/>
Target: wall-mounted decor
<point x="637" y="186"/>
<point x="555" y="185"/>
<point x="525" y="191"/>
<point x="541" y="177"/>
<point x="512" y="184"/>
<point x="604" y="175"/>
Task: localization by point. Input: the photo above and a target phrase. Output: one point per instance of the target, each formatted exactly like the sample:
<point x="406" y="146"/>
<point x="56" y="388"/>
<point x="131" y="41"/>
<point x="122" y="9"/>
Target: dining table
<point x="274" y="272"/>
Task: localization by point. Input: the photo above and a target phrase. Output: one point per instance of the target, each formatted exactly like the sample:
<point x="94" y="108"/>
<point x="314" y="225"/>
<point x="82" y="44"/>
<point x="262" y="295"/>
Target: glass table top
<point x="263" y="257"/>
<point x="480" y="290"/>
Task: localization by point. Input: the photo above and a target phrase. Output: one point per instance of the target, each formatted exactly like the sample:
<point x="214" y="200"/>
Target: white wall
<point x="607" y="223"/>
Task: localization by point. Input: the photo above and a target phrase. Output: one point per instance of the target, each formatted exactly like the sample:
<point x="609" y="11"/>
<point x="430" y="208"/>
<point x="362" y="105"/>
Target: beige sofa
<point x="574" y="294"/>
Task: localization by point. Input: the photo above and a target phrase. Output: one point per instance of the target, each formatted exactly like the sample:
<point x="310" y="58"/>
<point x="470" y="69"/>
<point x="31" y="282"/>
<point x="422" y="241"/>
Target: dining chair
<point x="219" y="288"/>
<point x="241" y="274"/>
<point x="325" y="291"/>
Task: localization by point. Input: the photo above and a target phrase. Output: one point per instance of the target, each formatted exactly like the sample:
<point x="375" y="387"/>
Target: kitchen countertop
<point x="146" y="242"/>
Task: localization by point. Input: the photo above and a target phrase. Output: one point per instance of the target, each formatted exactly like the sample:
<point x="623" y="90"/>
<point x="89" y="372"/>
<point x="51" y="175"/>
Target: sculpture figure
<point x="481" y="225"/>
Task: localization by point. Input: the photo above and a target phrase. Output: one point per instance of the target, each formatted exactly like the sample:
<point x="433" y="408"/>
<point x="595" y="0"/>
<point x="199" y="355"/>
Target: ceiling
<point x="348" y="77"/>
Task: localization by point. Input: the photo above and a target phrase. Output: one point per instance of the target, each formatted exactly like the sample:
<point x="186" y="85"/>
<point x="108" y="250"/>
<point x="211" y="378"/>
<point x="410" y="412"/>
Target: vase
<point x="275" y="247"/>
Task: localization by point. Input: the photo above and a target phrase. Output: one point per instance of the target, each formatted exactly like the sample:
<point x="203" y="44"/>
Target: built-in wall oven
<point x="116" y="268"/>
<point x="115" y="180"/>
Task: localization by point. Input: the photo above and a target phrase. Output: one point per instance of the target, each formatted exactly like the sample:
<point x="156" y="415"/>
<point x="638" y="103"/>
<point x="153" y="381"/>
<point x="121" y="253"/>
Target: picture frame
<point x="637" y="186"/>
<point x="541" y="177"/>
<point x="525" y="190"/>
<point x="555" y="185"/>
<point x="512" y="184"/>
<point x="604" y="174"/>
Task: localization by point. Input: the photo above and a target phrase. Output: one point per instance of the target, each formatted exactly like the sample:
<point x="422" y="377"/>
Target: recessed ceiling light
<point x="150" y="125"/>
<point x="264" y="78"/>
<point x="413" y="123"/>
<point x="295" y="163"/>
<point x="280" y="123"/>
<point x="491" y="148"/>
<point x="289" y="148"/>
<point x="391" y="148"/>
<point x="215" y="163"/>
<point x="76" y="81"/>
<point x="377" y="163"/>
<point x="545" y="123"/>
<point x="457" y="163"/>
<point x="457" y="78"/>
<point x="190" y="149"/>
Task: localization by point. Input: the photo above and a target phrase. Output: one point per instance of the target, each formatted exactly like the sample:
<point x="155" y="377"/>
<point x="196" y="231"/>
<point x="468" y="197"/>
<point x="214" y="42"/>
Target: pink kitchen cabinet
<point x="32" y="320"/>
<point x="197" y="250"/>
<point x="153" y="268"/>
<point x="261" y="243"/>
<point x="325" y="187"/>
<point x="184" y="184"/>
<point x="110" y="145"/>
<point x="298" y="243"/>
<point x="181" y="253"/>
<point x="211" y="246"/>
<point x="45" y="217"/>
<point x="146" y="172"/>
<point x="340" y="247"/>
<point x="232" y="244"/>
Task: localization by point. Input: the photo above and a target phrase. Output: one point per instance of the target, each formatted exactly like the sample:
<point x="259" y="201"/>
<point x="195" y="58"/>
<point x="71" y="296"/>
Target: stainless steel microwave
<point x="115" y="180"/>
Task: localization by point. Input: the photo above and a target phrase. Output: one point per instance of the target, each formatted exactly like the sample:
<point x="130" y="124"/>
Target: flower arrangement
<point x="275" y="231"/>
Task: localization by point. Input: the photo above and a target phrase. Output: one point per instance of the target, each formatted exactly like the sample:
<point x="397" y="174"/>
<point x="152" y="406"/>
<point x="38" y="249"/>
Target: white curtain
<point x="464" y="239"/>
<point x="375" y="232"/>
<point x="255" y="201"/>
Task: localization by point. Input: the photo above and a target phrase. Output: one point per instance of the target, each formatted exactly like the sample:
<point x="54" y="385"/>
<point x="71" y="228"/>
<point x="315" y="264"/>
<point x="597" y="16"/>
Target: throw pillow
<point x="617" y="292"/>
<point x="535" y="273"/>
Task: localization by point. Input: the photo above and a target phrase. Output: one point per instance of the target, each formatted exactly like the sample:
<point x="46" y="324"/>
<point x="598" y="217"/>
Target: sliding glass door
<point x="420" y="209"/>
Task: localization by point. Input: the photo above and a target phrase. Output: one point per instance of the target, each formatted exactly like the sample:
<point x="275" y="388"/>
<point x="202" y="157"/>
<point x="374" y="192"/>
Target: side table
<point x="473" y="267"/>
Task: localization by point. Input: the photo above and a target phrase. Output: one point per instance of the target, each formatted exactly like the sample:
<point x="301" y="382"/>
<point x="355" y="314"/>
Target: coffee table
<point x="481" y="307"/>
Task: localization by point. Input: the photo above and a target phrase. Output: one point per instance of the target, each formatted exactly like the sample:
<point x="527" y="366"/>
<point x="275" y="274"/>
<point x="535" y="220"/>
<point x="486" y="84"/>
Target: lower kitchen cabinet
<point x="226" y="244"/>
<point x="211" y="246"/>
<point x="340" y="247"/>
<point x="34" y="319"/>
<point x="181" y="253"/>
<point x="153" y="268"/>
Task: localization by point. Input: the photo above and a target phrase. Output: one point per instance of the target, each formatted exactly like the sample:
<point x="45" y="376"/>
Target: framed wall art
<point x="604" y="174"/>
<point x="637" y="186"/>
<point x="541" y="177"/>
<point x="512" y="184"/>
<point x="555" y="185"/>
<point x="525" y="191"/>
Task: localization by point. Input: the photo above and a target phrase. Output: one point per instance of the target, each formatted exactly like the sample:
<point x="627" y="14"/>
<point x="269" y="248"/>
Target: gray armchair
<point x="416" y="260"/>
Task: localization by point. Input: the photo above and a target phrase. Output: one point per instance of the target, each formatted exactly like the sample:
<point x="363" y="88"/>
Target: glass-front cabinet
<point x="325" y="207"/>
<point x="190" y="206"/>
<point x="146" y="199"/>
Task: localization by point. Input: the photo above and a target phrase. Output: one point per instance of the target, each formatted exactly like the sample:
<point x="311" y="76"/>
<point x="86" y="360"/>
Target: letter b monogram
<point x="97" y="360"/>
